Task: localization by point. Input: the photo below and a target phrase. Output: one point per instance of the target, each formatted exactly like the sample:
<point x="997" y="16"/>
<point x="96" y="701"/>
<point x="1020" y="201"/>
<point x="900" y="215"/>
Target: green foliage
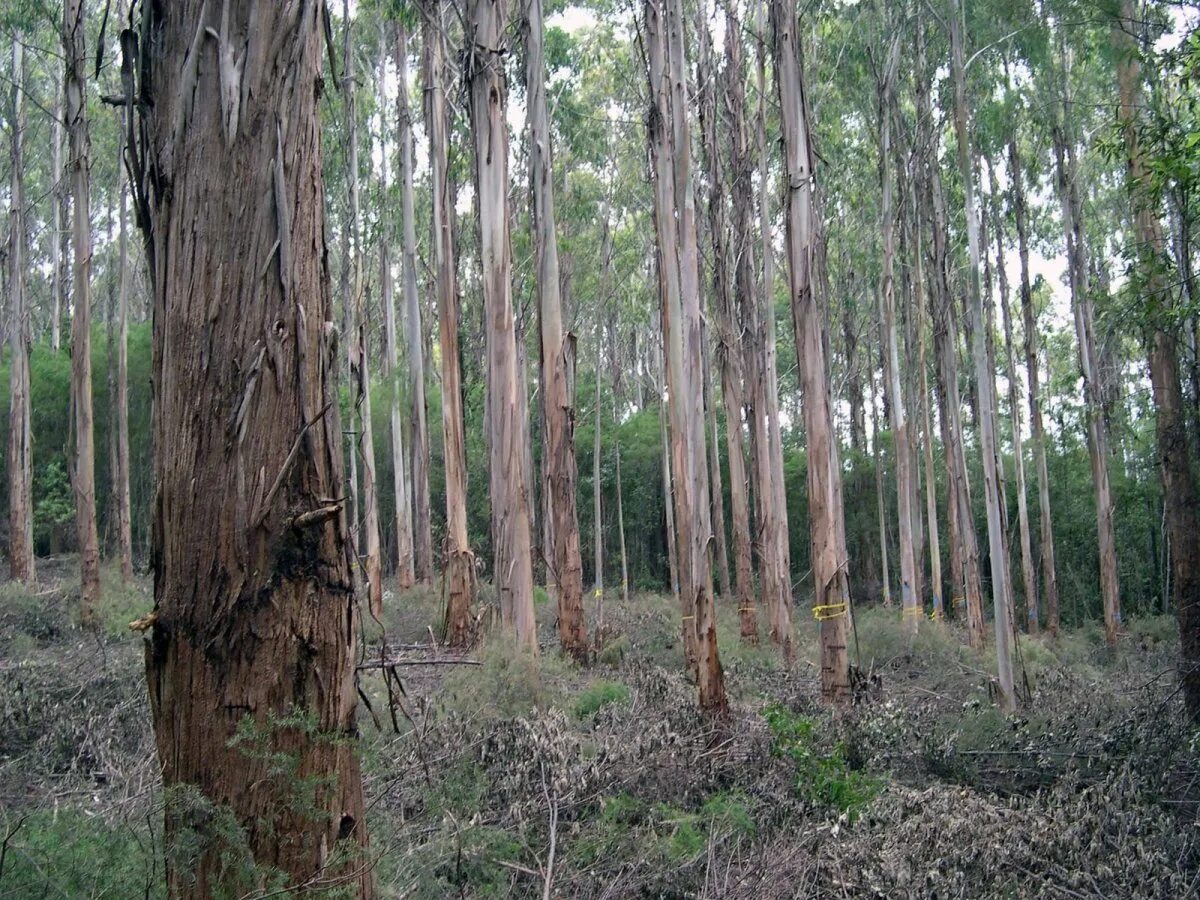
<point x="507" y="685"/>
<point x="598" y="694"/>
<point x="53" y="505"/>
<point x="822" y="778"/>
<point x="70" y="853"/>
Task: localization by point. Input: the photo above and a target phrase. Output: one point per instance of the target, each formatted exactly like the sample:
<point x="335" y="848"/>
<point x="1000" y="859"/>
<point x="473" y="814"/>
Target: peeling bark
<point x="250" y="660"/>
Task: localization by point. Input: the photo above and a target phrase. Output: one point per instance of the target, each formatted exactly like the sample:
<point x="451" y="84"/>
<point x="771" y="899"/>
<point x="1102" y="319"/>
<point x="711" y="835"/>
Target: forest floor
<point x="492" y="779"/>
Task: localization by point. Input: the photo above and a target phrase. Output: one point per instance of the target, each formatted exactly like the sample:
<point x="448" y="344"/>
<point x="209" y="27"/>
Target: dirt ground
<point x="490" y="776"/>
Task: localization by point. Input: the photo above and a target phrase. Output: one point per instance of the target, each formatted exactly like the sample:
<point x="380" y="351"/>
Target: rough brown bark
<point x="487" y="24"/>
<point x="1085" y="328"/>
<point x="1032" y="368"/>
<point x="422" y="526"/>
<point x="1179" y="489"/>
<point x="557" y="355"/>
<point x="674" y="216"/>
<point x="79" y="165"/>
<point x="459" y="562"/>
<point x="21" y="566"/>
<point x="830" y="563"/>
<point x="250" y="659"/>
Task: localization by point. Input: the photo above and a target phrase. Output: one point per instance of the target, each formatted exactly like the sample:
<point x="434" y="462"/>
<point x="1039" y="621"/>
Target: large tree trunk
<point x="422" y="527"/>
<point x="1085" y="328"/>
<point x="910" y="600"/>
<point x="459" y="563"/>
<point x="487" y="22"/>
<point x="679" y="276"/>
<point x="20" y="432"/>
<point x="251" y="655"/>
<point x="985" y="383"/>
<point x="1036" y="429"/>
<point x="1014" y="402"/>
<point x="885" y="574"/>
<point x="1179" y="489"/>
<point x="120" y="475"/>
<point x="557" y="356"/>
<point x="84" y="479"/>
<point x="830" y="564"/>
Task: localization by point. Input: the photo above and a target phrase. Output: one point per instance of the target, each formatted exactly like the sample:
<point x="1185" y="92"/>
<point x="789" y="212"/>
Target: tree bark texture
<point x="830" y="563"/>
<point x="79" y="166"/>
<point x="557" y="355"/>
<point x="21" y="566"/>
<point x="250" y="659"/>
<point x="487" y="24"/>
<point x="458" y="573"/>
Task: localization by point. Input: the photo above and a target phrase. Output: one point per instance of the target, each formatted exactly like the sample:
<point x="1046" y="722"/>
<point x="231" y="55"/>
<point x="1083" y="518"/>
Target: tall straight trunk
<point x="1179" y="489"/>
<point x="910" y="600"/>
<point x="669" y="503"/>
<point x="597" y="505"/>
<point x="58" y="221"/>
<point x="487" y="23"/>
<point x="251" y="653"/>
<point x="830" y="563"/>
<point x="458" y="573"/>
<point x="621" y="527"/>
<point x="1085" y="329"/>
<point x="752" y="331"/>
<point x="79" y="165"/>
<point x="1014" y="402"/>
<point x="985" y="383"/>
<point x="557" y="356"/>
<point x="21" y="565"/>
<point x="405" y="576"/>
<point x="422" y="526"/>
<point x="728" y="341"/>
<point x="363" y="444"/>
<point x="771" y="498"/>
<point x="120" y="474"/>
<point x="965" y="579"/>
<point x="921" y="311"/>
<point x="717" y="493"/>
<point x="885" y="574"/>
<point x="679" y="275"/>
<point x="1037" y="430"/>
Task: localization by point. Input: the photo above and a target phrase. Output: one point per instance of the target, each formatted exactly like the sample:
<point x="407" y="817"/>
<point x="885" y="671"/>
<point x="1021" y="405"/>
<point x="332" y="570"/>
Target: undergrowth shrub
<point x="823" y="779"/>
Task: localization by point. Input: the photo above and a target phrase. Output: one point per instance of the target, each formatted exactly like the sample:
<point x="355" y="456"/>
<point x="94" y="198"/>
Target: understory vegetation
<point x="484" y="769"/>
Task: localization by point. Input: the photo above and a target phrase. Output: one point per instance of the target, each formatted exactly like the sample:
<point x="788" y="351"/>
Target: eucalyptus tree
<point x="728" y="334"/>
<point x="20" y="430"/>
<point x="557" y="355"/>
<point x="677" y="253"/>
<point x="1179" y="489"/>
<point x="458" y="571"/>
<point x="1083" y="307"/>
<point x="79" y="166"/>
<point x="422" y="527"/>
<point x="486" y="25"/>
<point x="831" y="599"/>
<point x="985" y="379"/>
<point x="253" y="571"/>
